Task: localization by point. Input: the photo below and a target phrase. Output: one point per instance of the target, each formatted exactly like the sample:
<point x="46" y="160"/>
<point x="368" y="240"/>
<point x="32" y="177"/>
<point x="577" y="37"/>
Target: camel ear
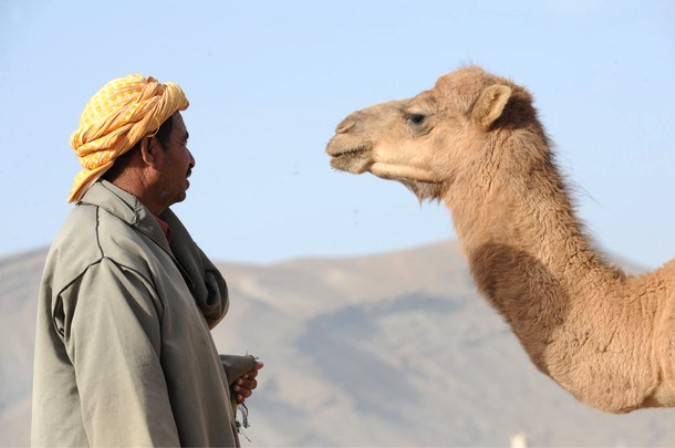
<point x="490" y="105"/>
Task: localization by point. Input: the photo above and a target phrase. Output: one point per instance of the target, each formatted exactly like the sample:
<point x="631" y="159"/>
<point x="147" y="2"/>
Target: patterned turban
<point x="116" y="118"/>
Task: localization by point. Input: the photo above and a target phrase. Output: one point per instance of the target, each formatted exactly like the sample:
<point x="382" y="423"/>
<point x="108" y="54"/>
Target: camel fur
<point x="474" y="142"/>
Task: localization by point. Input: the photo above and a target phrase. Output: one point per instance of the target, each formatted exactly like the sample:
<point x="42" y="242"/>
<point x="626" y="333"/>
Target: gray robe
<point x="124" y="354"/>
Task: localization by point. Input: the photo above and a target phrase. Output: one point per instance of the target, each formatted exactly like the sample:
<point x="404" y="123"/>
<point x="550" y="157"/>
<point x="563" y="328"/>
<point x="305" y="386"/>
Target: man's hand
<point x="244" y="385"/>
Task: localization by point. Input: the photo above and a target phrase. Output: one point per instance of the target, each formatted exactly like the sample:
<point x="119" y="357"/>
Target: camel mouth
<point x="346" y="152"/>
<point x="353" y="159"/>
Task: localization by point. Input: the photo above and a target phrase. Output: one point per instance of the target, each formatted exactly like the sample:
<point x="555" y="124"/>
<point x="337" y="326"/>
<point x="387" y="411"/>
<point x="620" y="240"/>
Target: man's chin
<point x="179" y="198"/>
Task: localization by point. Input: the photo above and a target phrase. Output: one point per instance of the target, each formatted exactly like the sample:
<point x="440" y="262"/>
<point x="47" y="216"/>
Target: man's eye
<point x="416" y="119"/>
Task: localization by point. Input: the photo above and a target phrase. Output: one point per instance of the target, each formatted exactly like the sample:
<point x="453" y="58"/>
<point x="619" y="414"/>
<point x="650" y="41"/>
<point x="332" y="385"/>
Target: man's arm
<point x="113" y="337"/>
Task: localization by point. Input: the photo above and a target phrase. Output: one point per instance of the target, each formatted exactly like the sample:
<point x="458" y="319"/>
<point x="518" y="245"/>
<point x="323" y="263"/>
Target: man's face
<point x="175" y="164"/>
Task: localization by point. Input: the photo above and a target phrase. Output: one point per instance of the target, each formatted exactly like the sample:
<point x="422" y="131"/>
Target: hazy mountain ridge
<point x="393" y="349"/>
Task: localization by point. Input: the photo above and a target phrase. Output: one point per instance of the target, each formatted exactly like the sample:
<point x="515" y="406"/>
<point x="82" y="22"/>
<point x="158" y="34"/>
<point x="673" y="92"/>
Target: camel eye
<point x="415" y="119"/>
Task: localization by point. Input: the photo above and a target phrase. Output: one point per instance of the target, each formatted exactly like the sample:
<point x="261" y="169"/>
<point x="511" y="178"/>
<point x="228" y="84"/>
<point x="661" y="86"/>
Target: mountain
<point x="395" y="349"/>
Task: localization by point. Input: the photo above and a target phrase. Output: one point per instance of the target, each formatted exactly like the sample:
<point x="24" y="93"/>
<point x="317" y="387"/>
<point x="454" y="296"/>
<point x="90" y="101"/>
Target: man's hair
<point x="162" y="134"/>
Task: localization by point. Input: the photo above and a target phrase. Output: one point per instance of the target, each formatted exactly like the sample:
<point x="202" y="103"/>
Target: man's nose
<point x="192" y="159"/>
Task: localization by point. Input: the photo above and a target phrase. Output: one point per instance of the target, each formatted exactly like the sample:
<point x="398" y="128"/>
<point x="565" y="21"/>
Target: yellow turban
<point x="116" y="118"/>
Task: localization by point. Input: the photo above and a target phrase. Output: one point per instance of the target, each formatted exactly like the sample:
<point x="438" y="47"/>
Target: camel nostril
<point x="345" y="125"/>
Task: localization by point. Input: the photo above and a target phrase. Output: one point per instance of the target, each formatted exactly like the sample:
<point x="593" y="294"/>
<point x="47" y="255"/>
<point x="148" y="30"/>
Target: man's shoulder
<point x="73" y="250"/>
<point x="91" y="234"/>
<point x="77" y="235"/>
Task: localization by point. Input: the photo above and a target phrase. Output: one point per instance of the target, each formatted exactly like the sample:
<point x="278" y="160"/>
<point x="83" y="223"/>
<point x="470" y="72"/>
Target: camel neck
<point x="529" y="218"/>
<point x="528" y="255"/>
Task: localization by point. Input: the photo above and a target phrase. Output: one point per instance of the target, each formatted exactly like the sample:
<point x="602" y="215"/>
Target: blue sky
<point x="269" y="81"/>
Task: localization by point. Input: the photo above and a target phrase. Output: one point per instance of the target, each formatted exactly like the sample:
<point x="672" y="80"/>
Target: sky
<point x="268" y="82"/>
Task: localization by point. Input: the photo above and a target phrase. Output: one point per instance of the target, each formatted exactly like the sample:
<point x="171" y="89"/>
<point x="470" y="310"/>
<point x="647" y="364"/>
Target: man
<point x="124" y="354"/>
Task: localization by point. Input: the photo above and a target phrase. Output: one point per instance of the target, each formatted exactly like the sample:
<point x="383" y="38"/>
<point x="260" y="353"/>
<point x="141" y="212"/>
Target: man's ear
<point x="149" y="150"/>
<point x="490" y="105"/>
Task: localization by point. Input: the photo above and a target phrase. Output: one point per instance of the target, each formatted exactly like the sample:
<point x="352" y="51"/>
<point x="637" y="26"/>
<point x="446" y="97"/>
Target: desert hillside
<point x="388" y="350"/>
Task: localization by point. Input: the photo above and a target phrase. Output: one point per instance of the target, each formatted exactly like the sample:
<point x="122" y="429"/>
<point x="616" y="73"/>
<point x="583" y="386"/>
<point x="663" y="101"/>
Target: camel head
<point x="426" y="142"/>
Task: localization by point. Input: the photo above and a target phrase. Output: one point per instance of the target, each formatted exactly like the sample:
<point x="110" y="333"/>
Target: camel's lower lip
<point x="351" y="159"/>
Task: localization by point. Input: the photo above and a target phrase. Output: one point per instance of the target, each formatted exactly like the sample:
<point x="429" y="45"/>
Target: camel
<point x="474" y="142"/>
